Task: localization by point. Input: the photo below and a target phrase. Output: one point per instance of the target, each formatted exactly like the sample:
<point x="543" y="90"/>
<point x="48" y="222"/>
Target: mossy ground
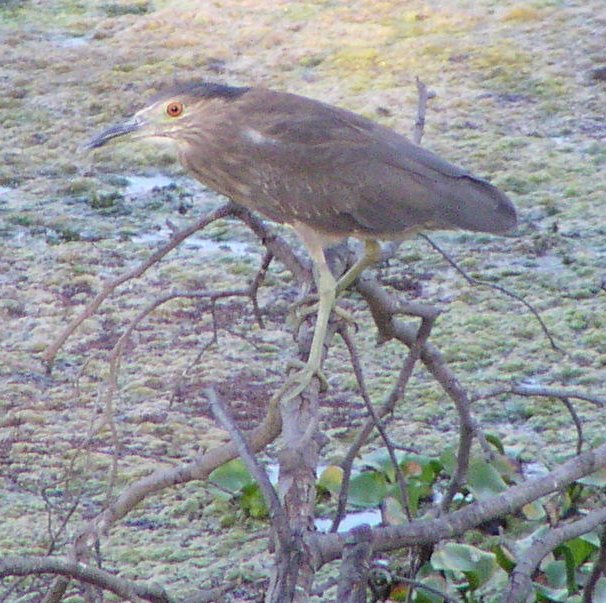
<point x="515" y="102"/>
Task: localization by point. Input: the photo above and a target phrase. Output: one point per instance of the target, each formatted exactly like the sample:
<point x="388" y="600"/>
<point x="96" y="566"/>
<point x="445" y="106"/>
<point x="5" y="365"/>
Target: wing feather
<point x="340" y="172"/>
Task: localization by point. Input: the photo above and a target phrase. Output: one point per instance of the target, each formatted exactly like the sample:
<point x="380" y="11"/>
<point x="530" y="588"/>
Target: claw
<point x="298" y="313"/>
<point x="302" y="374"/>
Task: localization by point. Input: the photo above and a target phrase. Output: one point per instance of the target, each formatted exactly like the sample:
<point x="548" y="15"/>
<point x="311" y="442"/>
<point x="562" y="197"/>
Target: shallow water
<point x="371" y="517"/>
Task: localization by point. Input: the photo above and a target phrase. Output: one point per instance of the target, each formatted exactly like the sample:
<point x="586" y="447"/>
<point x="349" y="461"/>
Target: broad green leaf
<point x="477" y="565"/>
<point x="448" y="458"/>
<point x="399" y="592"/>
<point x="484" y="480"/>
<point x="425" y="596"/>
<point x="534" y="511"/>
<point x="367" y="489"/>
<point x="331" y="479"/>
<point x="495" y="440"/>
<point x="592" y="538"/>
<point x="418" y="465"/>
<point x="381" y="461"/>
<point x="550" y="594"/>
<point x="579" y="548"/>
<point x="556" y="573"/>
<point x="504" y="558"/>
<point x="508" y="468"/>
<point x="393" y="512"/>
<point x="252" y="502"/>
<point x="231" y="476"/>
<point x="598" y="478"/>
<point x="415" y="490"/>
<point x="570" y="567"/>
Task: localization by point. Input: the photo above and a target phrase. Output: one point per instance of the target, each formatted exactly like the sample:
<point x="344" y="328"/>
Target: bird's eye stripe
<point x="174" y="109"/>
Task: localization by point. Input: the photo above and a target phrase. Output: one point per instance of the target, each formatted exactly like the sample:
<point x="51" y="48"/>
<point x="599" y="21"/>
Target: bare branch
<point x="423" y="96"/>
<point x="479" y="283"/>
<point x="380" y="303"/>
<point x="539" y="390"/>
<point x="577" y="423"/>
<point x="278" y="517"/>
<point x="57" y="590"/>
<point x="300" y="268"/>
<point x="353" y="576"/>
<point x="267" y="431"/>
<point x="377" y="423"/>
<point x="126" y="589"/>
<point x="426" y="531"/>
<point x="520" y="583"/>
<point x="256" y="284"/>
<point x="598" y="570"/>
<point x="109" y="287"/>
<point x="387" y="407"/>
<point x="177" y="389"/>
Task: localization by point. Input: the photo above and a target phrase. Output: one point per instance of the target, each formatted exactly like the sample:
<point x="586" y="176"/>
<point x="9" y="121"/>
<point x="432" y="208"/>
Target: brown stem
<point x="520" y="583"/>
<point x="109" y="287"/>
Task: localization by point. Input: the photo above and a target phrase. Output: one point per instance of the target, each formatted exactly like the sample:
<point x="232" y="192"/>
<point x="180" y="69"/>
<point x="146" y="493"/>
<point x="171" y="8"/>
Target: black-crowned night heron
<point x="326" y="172"/>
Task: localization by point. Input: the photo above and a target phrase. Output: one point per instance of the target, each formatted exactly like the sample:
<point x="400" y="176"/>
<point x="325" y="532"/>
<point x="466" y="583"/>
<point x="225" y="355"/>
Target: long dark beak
<point x="126" y="127"/>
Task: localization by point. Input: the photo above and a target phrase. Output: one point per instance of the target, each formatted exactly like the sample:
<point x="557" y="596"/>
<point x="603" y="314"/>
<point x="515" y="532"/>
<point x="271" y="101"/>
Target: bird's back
<point x="296" y="159"/>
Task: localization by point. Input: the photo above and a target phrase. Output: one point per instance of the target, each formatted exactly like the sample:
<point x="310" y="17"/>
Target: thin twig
<point x="256" y="284"/>
<point x="544" y="391"/>
<point x="178" y="384"/>
<point x="480" y="283"/>
<point x="299" y="267"/>
<point x="379" y="303"/>
<point x="577" y="423"/>
<point x="562" y="394"/>
<point x="110" y="286"/>
<point x="520" y="583"/>
<point x="387" y="407"/>
<point x="355" y="361"/>
<point x="598" y="570"/>
<point x="278" y="516"/>
<point x="423" y="96"/>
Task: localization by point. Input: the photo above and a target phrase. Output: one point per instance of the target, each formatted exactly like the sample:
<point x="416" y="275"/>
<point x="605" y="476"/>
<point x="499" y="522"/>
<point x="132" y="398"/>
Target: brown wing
<point x="299" y="159"/>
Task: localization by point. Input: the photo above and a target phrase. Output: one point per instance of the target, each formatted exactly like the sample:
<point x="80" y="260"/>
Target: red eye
<point x="174" y="109"/>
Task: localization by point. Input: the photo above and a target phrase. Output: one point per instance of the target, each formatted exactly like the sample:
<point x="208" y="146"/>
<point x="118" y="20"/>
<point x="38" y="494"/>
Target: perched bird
<point x="327" y="172"/>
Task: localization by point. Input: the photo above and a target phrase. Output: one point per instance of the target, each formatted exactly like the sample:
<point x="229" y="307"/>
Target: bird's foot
<point x="309" y="305"/>
<point x="303" y="308"/>
<point x="297" y="382"/>
<point x="302" y="370"/>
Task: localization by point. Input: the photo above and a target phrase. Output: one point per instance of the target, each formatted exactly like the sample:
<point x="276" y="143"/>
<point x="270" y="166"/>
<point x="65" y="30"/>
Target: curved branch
<point x="480" y="283"/>
<point x="381" y="305"/>
<point x="598" y="570"/>
<point x="126" y="589"/>
<point x="278" y="516"/>
<point x="520" y="583"/>
<point x="259" y="437"/>
<point x="543" y="391"/>
<point x="329" y="546"/>
<point x="109" y="287"/>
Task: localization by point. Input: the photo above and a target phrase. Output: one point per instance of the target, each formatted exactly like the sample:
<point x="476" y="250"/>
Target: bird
<point x="327" y="172"/>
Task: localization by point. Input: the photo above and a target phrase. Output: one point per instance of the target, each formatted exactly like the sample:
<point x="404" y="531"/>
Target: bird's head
<point x="171" y="114"/>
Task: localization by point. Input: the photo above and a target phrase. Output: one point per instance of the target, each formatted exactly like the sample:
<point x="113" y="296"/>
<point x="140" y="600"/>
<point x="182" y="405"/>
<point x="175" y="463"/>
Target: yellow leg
<point x="372" y="254"/>
<point x="327" y="293"/>
<point x="327" y="287"/>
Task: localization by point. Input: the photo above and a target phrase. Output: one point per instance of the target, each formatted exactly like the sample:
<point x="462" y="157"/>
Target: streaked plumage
<point x="297" y="159"/>
<point x="327" y="172"/>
